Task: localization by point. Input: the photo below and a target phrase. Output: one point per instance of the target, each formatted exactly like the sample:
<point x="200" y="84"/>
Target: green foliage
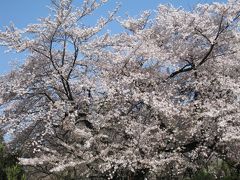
<point x="203" y="175"/>
<point x="9" y="169"/>
<point x="220" y="170"/>
<point x="14" y="172"/>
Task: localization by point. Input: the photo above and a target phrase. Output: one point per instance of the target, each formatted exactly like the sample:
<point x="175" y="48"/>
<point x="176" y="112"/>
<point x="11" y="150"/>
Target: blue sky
<point x="24" y="12"/>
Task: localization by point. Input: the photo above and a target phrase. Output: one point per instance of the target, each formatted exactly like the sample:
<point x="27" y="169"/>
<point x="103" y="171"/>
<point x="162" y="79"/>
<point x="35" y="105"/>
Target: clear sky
<point x="23" y="12"/>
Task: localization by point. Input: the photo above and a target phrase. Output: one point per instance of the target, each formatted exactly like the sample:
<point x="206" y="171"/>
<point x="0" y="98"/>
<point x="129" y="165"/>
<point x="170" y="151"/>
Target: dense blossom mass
<point x="160" y="99"/>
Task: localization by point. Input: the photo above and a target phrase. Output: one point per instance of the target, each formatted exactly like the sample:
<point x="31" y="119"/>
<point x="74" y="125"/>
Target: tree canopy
<point x="160" y="99"/>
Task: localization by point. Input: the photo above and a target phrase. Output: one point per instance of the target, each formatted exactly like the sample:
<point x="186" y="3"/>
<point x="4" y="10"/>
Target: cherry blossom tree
<point x="160" y="100"/>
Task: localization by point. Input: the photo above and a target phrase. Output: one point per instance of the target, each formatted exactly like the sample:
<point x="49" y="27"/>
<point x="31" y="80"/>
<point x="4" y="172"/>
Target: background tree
<point x="43" y="99"/>
<point x="9" y="167"/>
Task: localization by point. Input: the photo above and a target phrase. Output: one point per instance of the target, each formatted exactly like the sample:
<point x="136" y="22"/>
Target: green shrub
<point x="219" y="170"/>
<point x="9" y="167"/>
